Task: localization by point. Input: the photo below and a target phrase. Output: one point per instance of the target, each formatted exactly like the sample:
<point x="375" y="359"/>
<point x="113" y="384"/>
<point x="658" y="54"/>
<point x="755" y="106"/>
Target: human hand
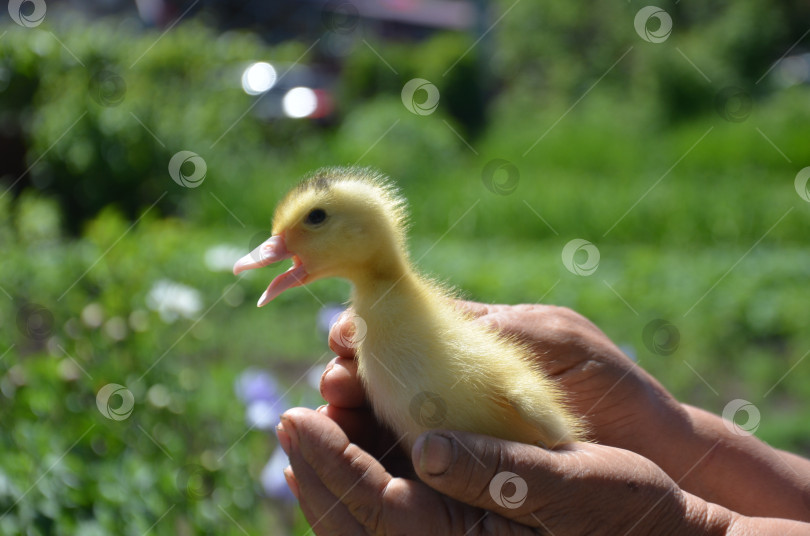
<point x="622" y="404"/>
<point x="473" y="484"/>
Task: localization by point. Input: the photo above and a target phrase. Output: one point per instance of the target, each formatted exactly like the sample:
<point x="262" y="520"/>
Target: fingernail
<point x="321" y="408"/>
<point x="291" y="482"/>
<point x="436" y="454"/>
<point x="326" y="372"/>
<point x="289" y="430"/>
<point x="283" y="438"/>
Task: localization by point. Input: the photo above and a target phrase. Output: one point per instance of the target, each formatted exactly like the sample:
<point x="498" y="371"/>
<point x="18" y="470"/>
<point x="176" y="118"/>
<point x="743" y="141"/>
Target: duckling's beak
<point x="271" y="251"/>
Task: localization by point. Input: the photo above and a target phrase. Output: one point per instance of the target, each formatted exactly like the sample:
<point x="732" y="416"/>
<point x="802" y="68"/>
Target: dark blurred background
<point x="644" y="165"/>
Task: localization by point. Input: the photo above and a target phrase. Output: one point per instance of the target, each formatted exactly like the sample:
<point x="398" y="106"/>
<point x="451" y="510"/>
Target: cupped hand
<point x="622" y="405"/>
<point x="625" y="407"/>
<point x="472" y="484"/>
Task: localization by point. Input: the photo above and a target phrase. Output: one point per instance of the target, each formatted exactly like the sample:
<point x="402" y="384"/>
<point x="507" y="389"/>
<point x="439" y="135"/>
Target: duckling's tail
<point x="555" y="426"/>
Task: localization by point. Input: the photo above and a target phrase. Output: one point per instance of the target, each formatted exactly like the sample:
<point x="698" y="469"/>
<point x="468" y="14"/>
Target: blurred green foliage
<point x="614" y="140"/>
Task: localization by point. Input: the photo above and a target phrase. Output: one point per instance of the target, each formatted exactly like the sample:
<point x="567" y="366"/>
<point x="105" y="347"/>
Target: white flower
<point x="172" y="300"/>
<point x="220" y="258"/>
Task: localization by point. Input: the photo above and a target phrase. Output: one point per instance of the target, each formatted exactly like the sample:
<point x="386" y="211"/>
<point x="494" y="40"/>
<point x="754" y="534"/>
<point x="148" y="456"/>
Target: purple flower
<point x="260" y="393"/>
<point x="264" y="415"/>
<point x="254" y="385"/>
<point x="273" y="482"/>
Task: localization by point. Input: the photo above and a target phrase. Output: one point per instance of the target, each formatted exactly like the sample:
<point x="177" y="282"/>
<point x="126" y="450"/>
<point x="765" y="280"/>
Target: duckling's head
<point x="339" y="222"/>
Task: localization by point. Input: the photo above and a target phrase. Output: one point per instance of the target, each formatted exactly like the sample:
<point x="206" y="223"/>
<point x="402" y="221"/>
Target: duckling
<point x="423" y="362"/>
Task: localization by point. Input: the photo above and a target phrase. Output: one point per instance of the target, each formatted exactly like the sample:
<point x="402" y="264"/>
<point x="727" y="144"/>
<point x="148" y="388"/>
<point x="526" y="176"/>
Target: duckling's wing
<point x="512" y="424"/>
<point x="531" y="420"/>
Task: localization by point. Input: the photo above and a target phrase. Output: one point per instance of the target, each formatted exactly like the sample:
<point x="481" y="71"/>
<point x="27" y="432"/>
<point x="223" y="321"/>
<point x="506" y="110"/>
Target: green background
<point x="685" y="186"/>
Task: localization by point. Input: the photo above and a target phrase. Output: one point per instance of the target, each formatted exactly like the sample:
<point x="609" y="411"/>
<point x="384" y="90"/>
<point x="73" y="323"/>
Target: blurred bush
<point x="135" y="101"/>
<point x="102" y="112"/>
<point x="184" y="452"/>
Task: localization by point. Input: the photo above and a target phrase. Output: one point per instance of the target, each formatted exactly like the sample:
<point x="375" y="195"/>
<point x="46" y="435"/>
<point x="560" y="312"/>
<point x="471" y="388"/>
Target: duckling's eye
<point x="316" y="216"/>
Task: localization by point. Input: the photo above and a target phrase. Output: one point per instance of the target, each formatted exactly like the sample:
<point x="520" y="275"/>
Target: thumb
<point x="576" y="489"/>
<point x="512" y="479"/>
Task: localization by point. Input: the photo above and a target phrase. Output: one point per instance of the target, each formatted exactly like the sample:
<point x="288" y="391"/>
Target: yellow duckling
<point x="424" y="364"/>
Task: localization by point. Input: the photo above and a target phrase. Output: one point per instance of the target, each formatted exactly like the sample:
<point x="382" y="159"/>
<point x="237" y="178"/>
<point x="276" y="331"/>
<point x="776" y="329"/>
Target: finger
<point x="359" y="425"/>
<point x="363" y="429"/>
<point x="311" y="516"/>
<point x="378" y="502"/>
<point x="340" y="385"/>
<point x="512" y="479"/>
<point x="324" y="512"/>
<point x="333" y="467"/>
<point x="496" y="317"/>
<point x="341" y="335"/>
<point x="475" y="309"/>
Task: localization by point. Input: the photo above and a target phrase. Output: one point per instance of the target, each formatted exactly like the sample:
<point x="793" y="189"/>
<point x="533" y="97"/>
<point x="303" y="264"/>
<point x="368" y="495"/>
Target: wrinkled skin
<point x="351" y="477"/>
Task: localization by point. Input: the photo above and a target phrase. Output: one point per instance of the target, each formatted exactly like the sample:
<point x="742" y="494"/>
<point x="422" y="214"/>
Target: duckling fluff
<point x="424" y="363"/>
